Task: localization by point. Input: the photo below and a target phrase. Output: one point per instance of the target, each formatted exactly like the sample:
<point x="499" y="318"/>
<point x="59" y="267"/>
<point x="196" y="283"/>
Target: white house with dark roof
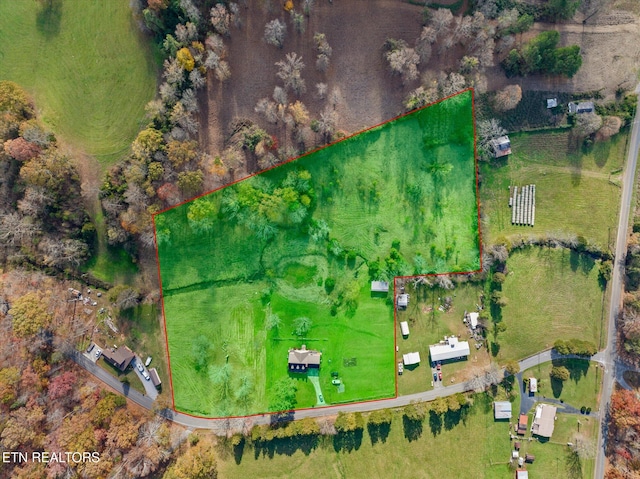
<point x="302" y="359"/>
<point x="450" y="348"/>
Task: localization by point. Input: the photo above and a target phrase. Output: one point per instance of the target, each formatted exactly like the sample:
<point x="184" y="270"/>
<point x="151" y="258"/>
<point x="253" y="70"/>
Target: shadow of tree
<point x="412" y="428"/>
<point x="238" y="450"/>
<point x="435" y="423"/>
<point x="285" y="446"/>
<point x="556" y="387"/>
<point x="348" y="441"/>
<point x="378" y="432"/>
<point x="49" y="17"/>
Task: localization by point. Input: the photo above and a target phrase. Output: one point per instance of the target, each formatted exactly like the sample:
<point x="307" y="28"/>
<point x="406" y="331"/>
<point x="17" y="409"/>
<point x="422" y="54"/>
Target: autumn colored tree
<point x="62" y="385"/>
<point x="14" y="100"/>
<point x="30" y="314"/>
<point x="198" y="462"/>
<point x="190" y="182"/>
<point x="147" y="143"/>
<point x="21" y="150"/>
<point x="9" y="379"/>
<point x="185" y="58"/>
<point x="181" y="152"/>
<point x="349" y="422"/>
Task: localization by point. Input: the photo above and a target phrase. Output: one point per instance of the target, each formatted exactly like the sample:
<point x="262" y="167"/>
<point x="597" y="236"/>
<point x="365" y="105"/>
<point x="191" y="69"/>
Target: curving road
<point x="612" y="364"/>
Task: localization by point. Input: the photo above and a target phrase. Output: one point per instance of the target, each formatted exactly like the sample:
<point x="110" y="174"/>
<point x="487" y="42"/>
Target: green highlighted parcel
<point x="286" y="258"/>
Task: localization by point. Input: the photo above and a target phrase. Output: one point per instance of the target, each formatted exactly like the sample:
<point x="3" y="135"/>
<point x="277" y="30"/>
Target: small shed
<point x="403" y="301"/>
<point x="552" y="102"/>
<point x="522" y="474"/>
<point x="473" y="320"/>
<point x="533" y="385"/>
<point x="516" y="446"/>
<point x="404" y="327"/>
<point x="502" y="410"/>
<point x="379" y="287"/>
<point x="529" y="458"/>
<point x="410" y="359"/>
<point x="501" y="146"/>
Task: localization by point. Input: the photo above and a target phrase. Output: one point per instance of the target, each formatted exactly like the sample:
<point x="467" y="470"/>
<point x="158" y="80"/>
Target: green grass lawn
<point x="582" y="389"/>
<point x="394" y="199"/>
<point x="576" y="192"/>
<point x="552" y="294"/>
<point x="428" y="325"/>
<point x="484" y="442"/>
<point x="86" y="64"/>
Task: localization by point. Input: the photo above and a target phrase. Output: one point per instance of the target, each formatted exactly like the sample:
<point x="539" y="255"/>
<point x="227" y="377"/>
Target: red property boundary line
<point x="395" y="339"/>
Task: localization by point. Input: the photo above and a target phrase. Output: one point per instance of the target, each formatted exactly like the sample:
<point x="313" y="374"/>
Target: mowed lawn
<point x="582" y="388"/>
<point x="577" y="192"/>
<point x="552" y="294"/>
<point x="88" y="67"/>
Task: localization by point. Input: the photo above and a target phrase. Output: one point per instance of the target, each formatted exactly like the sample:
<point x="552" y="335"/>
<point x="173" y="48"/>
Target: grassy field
<point x="304" y="240"/>
<point x="144" y="336"/>
<point x="566" y="302"/>
<point x="582" y="389"/>
<point x="577" y="192"/>
<point x="431" y="455"/>
<point x="88" y="68"/>
<point x="428" y="325"/>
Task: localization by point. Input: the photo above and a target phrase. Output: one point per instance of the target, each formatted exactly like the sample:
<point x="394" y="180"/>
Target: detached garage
<point x="410" y="359"/>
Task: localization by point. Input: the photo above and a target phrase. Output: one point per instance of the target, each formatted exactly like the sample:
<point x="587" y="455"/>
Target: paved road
<point x="611" y="358"/>
<point x="221" y="425"/>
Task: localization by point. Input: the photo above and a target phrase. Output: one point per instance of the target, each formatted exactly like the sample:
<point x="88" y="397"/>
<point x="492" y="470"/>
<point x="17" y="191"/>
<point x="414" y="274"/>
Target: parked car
<point x="435" y="377"/>
<point x="440" y="375"/>
<point x="140" y="368"/>
<point x="336" y="382"/>
<point x="148" y="361"/>
<point x="438" y="365"/>
<point x="146" y="375"/>
<point x="98" y="352"/>
<point x="90" y="348"/>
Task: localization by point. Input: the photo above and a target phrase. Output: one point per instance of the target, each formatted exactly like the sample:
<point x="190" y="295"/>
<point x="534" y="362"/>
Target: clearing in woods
<point x="240" y="266"/>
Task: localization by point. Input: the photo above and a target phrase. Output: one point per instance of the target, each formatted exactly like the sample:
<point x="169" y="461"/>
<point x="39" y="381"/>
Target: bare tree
<point x="220" y="19"/>
<point x="290" y="72"/>
<point x="173" y="71"/>
<point x="505" y="43"/>
<point x="487" y="130"/>
<point x="610" y="126"/>
<point x="280" y="95"/>
<point x="403" y="61"/>
<point x="508" y="98"/>
<point x="191" y="11"/>
<point x="451" y="83"/>
<point x="268" y="109"/>
<point x="187" y="33"/>
<point x="197" y="79"/>
<point x="441" y="21"/>
<point x="588" y="123"/>
<point x="275" y="32"/>
<point x="298" y="22"/>
<point x="321" y="90"/>
<point x="62" y="253"/>
<point x="15" y="230"/>
<point x="444" y="281"/>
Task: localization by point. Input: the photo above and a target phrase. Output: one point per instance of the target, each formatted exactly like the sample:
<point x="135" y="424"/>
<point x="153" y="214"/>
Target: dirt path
<point x="358" y="75"/>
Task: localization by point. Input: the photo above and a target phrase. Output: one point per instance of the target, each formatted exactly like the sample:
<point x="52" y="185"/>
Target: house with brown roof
<point x="119" y="358"/>
<point x="302" y="359"/>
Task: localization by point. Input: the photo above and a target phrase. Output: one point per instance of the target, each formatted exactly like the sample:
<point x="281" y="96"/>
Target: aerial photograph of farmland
<point x="339" y="238"/>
